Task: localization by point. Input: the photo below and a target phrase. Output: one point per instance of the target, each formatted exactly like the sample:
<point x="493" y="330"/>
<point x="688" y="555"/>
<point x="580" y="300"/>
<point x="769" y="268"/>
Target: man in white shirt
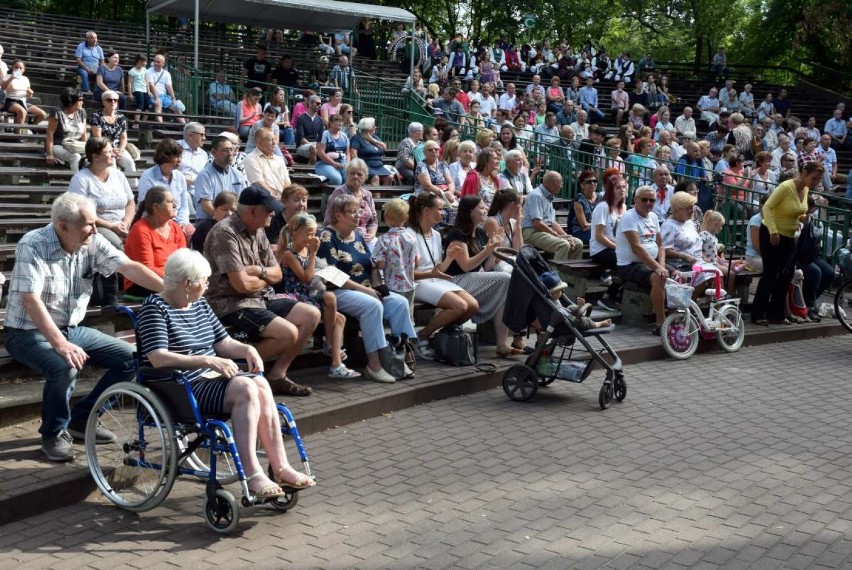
<point x="263" y="167"/>
<point x="535" y="86"/>
<point x="507" y="100"/>
<point x="547" y="132"/>
<point x="666" y="139"/>
<point x="685" y="124"/>
<point x="724" y="91"/>
<point x="829" y="161"/>
<point x="710" y="107"/>
<point x="489" y="105"/>
<point x="782" y="149"/>
<point x="663" y="190"/>
<point x="580" y="127"/>
<point x="514" y="176"/>
<point x="194" y="157"/>
<point x="159" y="82"/>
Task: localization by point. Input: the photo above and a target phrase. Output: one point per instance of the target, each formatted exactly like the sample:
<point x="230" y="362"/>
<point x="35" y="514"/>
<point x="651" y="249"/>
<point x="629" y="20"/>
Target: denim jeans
<point x="370" y="313"/>
<point x="818" y="276"/>
<point x="30" y="347"/>
<point x="84" y="79"/>
<point x="333" y="174"/>
<point x="288" y="136"/>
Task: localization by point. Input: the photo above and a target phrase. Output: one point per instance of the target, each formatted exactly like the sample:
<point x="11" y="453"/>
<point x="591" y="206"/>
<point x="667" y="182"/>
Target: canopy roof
<point x="323" y="16"/>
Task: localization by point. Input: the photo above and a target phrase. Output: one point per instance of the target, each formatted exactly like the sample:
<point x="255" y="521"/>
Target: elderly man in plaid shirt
<point x="49" y="291"/>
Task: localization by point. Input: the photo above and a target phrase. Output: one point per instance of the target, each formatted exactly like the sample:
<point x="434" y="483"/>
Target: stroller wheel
<point x="520" y="382"/>
<point x="605" y="396"/>
<point x="620" y="386"/>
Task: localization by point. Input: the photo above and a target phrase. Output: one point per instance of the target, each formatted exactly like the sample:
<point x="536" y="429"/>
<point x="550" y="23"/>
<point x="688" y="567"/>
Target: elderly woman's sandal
<point x="268" y="492"/>
<point x="301" y="481"/>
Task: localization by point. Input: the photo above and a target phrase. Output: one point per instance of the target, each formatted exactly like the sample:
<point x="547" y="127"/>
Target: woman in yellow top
<point x="786" y="206"/>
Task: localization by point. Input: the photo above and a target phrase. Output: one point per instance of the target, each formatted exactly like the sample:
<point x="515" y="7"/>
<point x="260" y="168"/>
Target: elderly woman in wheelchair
<point x="177" y="329"/>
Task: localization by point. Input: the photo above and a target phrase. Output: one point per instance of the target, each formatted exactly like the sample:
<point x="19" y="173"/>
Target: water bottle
<point x="571" y="370"/>
<point x="547" y="367"/>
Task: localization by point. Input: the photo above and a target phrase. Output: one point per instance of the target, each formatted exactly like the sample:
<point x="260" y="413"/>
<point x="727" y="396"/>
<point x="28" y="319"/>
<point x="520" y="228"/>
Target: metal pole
<point x="197" y="67"/>
<point x="148" y="35"/>
<point x="413" y="47"/>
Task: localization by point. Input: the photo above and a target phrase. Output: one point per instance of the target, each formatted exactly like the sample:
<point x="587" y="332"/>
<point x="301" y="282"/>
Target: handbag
<point x="394" y="357"/>
<point x="454" y="346"/>
<point x="75" y="146"/>
<point x="133" y="151"/>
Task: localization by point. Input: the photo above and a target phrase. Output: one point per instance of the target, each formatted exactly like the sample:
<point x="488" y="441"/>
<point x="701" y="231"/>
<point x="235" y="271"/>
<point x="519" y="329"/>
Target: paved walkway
<point x="741" y="461"/>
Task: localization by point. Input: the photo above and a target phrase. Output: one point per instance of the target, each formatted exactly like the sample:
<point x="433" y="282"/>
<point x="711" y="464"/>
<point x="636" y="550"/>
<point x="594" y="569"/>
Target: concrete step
<point x="30" y="485"/>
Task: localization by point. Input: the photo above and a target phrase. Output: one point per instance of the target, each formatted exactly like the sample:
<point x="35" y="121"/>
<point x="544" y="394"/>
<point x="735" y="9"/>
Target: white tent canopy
<point x="323" y="16"/>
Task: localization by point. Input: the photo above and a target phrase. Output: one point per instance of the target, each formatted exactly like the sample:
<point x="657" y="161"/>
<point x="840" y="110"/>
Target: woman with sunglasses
<point x="112" y="125"/>
<point x="153" y="236"/>
<point x="640" y="252"/>
<point x="580" y="216"/>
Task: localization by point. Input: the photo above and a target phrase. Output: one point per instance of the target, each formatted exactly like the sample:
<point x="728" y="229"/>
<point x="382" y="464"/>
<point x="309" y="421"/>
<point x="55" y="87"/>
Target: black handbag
<point x="454" y="346"/>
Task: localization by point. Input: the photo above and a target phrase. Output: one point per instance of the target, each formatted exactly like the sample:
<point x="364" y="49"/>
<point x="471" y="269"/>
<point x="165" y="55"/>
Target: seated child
<point x="711" y="251"/>
<point x="395" y="252"/>
<point x="581" y="310"/>
<point x="298" y="258"/>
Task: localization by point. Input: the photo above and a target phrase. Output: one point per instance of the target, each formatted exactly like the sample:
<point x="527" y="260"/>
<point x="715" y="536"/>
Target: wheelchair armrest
<point x="151" y="374"/>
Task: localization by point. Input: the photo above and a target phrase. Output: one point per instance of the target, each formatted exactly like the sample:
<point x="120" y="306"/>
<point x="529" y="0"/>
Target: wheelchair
<point x="161" y="434"/>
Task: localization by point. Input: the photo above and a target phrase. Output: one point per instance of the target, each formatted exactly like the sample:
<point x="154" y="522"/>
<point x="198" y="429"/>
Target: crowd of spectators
<point x="264" y="249"/>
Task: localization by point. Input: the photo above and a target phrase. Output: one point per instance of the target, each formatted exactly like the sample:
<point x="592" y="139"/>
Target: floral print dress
<point x="351" y="256"/>
<point x="295" y="287"/>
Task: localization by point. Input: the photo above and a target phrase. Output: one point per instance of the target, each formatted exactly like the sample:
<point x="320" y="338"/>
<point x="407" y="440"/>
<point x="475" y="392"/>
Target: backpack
<point x="796" y="306"/>
<point x="807" y="245"/>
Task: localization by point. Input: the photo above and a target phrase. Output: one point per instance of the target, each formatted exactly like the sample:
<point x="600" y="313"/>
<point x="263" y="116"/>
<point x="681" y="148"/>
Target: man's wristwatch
<point x="263" y="274"/>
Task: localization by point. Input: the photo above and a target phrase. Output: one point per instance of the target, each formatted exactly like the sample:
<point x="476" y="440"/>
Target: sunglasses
<point x="648" y="200"/>
<point x="595" y="182"/>
<point x="110" y="100"/>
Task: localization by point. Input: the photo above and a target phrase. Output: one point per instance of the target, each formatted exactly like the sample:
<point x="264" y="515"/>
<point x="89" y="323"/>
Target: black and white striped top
<point x="193" y="331"/>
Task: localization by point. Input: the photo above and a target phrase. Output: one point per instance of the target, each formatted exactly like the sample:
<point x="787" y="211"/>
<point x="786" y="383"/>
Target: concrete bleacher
<point x="28" y="185"/>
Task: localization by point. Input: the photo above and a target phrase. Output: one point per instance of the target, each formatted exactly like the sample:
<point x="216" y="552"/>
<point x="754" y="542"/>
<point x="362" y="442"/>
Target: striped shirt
<point x="191" y="332"/>
<point x="62" y="280"/>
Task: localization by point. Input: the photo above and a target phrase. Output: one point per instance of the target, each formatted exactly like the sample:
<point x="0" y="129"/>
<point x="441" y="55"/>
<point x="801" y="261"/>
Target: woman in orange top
<point x="154" y="236"/>
<point x="248" y="112"/>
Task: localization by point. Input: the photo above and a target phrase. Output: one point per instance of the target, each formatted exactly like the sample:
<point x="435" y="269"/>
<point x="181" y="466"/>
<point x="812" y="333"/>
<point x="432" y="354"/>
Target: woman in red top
<point x="154" y="236"/>
<point x="483" y="181"/>
<point x="248" y="112"/>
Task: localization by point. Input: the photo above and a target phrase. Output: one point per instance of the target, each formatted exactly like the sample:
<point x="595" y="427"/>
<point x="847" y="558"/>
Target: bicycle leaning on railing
<point x="843" y="297"/>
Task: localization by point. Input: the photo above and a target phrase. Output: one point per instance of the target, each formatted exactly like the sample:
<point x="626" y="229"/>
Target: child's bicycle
<point x="681" y="330"/>
<point x="843" y="297"/>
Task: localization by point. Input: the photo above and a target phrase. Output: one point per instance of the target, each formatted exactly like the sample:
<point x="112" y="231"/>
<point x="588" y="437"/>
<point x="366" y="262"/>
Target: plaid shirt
<point x="62" y="280"/>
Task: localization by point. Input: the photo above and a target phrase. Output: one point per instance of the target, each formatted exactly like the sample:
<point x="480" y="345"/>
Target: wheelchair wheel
<point x="138" y="469"/>
<point x="679" y="335"/>
<point x="843" y="305"/>
<point x="199" y="460"/>
<point x="520" y="382"/>
<point x="222" y="512"/>
<point x="731" y="338"/>
<point x="285" y="502"/>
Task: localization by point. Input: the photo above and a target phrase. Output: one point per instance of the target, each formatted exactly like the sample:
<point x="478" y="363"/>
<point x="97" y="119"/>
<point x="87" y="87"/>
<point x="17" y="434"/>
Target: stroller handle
<point x="506" y="254"/>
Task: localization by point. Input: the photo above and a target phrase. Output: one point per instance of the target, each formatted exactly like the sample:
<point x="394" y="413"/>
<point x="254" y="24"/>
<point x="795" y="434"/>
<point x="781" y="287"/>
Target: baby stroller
<point x="556" y="354"/>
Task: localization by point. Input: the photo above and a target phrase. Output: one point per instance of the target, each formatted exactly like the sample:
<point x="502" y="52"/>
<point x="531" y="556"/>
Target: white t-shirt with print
<point x="647" y="228"/>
